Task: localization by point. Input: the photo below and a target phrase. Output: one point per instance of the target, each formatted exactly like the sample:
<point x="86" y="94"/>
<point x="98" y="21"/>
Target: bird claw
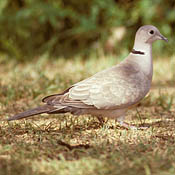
<point x="132" y="127"/>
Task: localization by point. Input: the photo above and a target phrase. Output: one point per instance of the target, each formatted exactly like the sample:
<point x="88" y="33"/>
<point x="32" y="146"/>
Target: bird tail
<point x="31" y="112"/>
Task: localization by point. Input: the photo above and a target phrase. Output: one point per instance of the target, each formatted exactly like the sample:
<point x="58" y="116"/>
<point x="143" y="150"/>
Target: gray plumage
<point x="111" y="92"/>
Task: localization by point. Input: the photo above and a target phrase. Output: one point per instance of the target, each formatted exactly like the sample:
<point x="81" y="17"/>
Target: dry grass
<point x="69" y="145"/>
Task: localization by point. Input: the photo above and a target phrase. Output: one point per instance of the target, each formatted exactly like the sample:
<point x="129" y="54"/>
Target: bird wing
<point x="117" y="87"/>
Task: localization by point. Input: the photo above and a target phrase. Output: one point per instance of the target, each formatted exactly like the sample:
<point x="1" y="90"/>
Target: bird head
<point x="148" y="34"/>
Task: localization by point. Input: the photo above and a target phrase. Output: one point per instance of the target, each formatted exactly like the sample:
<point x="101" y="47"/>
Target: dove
<point x="111" y="92"/>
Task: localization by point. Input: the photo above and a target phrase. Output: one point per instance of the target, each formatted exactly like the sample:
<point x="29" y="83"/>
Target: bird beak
<point x="161" y="37"/>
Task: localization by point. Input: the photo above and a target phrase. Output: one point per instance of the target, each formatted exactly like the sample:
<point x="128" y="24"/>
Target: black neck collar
<point x="137" y="52"/>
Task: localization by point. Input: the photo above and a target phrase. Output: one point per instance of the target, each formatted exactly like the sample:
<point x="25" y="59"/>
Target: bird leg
<point x="101" y="120"/>
<point x="121" y="119"/>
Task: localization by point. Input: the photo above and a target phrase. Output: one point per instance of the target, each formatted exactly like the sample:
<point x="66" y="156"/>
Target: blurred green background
<point x="67" y="28"/>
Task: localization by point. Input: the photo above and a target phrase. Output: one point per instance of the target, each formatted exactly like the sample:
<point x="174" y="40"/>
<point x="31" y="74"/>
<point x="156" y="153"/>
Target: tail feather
<point x="31" y="112"/>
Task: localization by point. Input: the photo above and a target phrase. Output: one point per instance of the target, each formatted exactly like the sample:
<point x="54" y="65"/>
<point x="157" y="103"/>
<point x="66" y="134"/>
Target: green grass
<point x="71" y="145"/>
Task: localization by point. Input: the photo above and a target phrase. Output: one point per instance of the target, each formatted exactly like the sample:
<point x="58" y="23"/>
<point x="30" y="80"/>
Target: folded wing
<point x="114" y="88"/>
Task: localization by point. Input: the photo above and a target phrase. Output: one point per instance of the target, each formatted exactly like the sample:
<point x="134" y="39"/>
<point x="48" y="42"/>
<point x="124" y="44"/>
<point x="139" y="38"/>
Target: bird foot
<point x="132" y="127"/>
<point x="101" y="120"/>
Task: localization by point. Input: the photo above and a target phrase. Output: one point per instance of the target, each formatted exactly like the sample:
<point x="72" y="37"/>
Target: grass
<point x="70" y="145"/>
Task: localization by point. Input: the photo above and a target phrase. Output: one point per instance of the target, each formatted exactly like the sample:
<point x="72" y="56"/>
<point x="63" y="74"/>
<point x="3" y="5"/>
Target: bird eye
<point x="151" y="32"/>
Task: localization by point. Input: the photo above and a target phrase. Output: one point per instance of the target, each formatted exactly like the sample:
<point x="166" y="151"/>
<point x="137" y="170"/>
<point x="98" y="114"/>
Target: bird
<point x="109" y="93"/>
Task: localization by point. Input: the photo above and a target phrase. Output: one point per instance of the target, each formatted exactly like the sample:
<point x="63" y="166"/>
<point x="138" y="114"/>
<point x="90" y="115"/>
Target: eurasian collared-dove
<point x="111" y="92"/>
